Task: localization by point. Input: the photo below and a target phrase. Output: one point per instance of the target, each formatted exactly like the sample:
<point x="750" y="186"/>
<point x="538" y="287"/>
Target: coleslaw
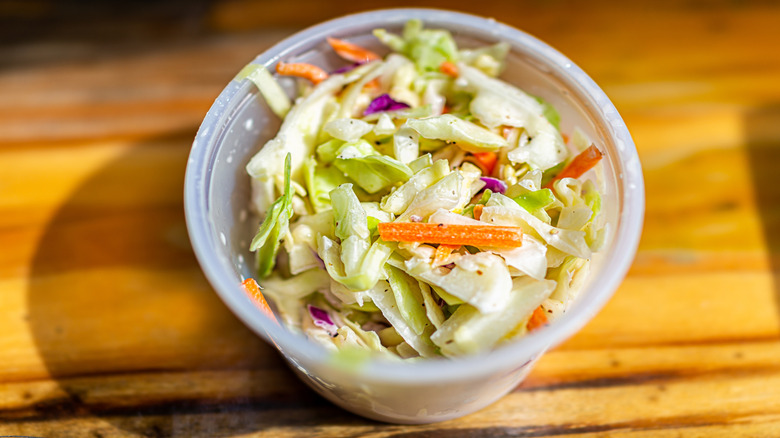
<point x="414" y="205"/>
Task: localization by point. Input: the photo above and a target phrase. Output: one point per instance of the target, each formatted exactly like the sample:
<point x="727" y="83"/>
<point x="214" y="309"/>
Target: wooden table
<point x="108" y="327"/>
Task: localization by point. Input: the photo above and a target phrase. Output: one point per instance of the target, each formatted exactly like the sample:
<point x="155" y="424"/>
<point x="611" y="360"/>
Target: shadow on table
<point x="762" y="129"/>
<point x="128" y="326"/>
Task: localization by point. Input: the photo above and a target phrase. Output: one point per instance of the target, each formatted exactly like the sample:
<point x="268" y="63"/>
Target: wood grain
<point x="108" y="328"/>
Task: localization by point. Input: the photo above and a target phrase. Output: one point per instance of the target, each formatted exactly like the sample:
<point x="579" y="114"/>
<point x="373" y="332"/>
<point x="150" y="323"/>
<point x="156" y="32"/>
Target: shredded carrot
<point x="538" y="319"/>
<point x="478" y="211"/>
<point x="445" y="110"/>
<point x="352" y="52"/>
<point x="487" y="161"/>
<point x="451" y="234"/>
<point x="449" y="69"/>
<point x="373" y="84"/>
<point x="302" y="70"/>
<point x="565" y="138"/>
<point x="579" y="165"/>
<point x="443" y="251"/>
<point x="253" y="290"/>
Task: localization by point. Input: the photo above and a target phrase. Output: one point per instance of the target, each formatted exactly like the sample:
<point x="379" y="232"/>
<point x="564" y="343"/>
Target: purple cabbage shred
<point x="322" y="319"/>
<point x="346" y="68"/>
<point x="494" y="185"/>
<point x="384" y="103"/>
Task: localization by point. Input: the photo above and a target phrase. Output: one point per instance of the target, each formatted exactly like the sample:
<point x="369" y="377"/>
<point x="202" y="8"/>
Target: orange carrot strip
<point x="487" y="161"/>
<point x="253" y="290"/>
<point x="373" y="84"/>
<point x="450" y="234"/>
<point x="449" y="69"/>
<point x="538" y="319"/>
<point x="565" y="138"/>
<point x="442" y="253"/>
<point x="352" y="52"/>
<point x="579" y="165"/>
<point x="302" y="70"/>
<point x="445" y="110"/>
<point x="478" y="211"/>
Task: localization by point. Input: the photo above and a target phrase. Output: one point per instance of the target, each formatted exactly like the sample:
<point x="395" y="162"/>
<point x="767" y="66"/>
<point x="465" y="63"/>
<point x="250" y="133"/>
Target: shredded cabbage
<point x="398" y="201"/>
<point x="320" y="180"/>
<point x="348" y="129"/>
<point x="470" y="331"/>
<point x="408" y="298"/>
<point x="428" y="48"/>
<point x="497" y="103"/>
<point x="396" y="142"/>
<point x="406" y="145"/>
<point x="490" y="60"/>
<point x="297" y="136"/>
<point x="269" y="88"/>
<point x="444" y="193"/>
<point x="480" y="279"/>
<point x="469" y="136"/>
<point x="384" y="298"/>
<point x="274" y="227"/>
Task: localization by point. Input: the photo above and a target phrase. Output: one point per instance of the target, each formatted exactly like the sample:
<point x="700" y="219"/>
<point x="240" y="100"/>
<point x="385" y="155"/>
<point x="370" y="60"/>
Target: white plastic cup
<point x="217" y="197"/>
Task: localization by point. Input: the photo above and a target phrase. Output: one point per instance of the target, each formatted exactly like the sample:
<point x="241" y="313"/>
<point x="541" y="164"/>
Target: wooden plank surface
<point x="108" y="327"/>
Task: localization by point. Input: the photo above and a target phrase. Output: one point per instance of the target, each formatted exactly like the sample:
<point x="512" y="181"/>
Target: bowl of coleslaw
<point x="413" y="207"/>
